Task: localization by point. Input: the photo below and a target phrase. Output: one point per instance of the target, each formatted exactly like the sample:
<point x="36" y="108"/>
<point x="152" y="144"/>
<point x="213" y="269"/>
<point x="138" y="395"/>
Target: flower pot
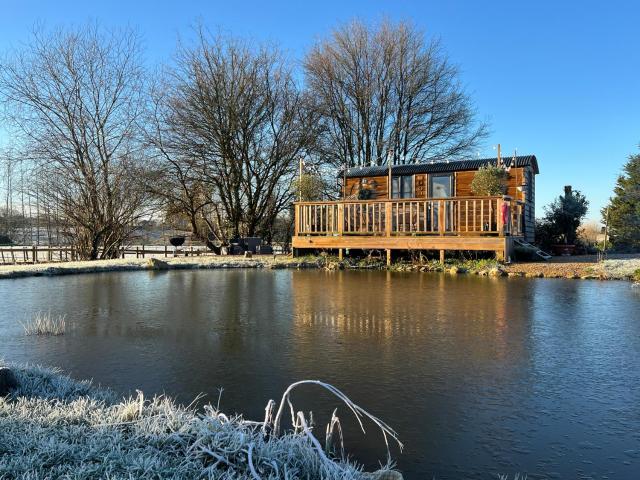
<point x="563" y="250"/>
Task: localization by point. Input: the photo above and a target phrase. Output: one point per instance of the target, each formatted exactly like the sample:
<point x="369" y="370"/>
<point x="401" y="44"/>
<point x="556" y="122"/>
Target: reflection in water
<point x="479" y="376"/>
<point x="405" y="307"/>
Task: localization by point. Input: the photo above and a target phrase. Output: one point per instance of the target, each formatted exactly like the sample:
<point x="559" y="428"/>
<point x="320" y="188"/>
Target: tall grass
<point x="45" y="324"/>
<point x="54" y="427"/>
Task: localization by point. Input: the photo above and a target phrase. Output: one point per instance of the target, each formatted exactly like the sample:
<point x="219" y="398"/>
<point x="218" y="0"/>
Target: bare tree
<point x="6" y="187"/>
<point x="76" y="96"/>
<point x="386" y="94"/>
<point x="237" y="114"/>
<point x="173" y="177"/>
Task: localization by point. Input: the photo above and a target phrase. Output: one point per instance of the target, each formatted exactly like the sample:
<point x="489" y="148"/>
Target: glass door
<point x="440" y="186"/>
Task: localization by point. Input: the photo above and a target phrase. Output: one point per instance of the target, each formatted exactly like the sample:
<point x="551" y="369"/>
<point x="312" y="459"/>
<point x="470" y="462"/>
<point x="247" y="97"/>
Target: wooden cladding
<point x="461" y="184"/>
<point x="515" y="180"/>
<point x="420" y="185"/>
<point x="378" y="185"/>
<point x="452" y="216"/>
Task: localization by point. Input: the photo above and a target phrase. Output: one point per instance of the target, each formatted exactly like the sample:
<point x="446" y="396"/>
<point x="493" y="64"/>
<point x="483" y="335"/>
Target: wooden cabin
<point x="431" y="207"/>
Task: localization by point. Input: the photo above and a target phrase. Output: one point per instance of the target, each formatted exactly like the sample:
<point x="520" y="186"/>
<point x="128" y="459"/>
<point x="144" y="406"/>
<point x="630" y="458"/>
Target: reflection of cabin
<point x="431" y="207"/>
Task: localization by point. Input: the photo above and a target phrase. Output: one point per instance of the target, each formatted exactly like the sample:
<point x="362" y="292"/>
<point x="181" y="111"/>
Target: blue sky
<point x="557" y="79"/>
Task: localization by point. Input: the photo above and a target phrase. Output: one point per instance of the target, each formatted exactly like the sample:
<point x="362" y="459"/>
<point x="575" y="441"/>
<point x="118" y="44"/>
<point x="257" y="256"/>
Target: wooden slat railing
<point x="431" y="216"/>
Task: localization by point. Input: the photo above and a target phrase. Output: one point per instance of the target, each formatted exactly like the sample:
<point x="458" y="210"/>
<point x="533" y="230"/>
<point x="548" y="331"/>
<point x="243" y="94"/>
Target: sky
<point x="558" y="79"/>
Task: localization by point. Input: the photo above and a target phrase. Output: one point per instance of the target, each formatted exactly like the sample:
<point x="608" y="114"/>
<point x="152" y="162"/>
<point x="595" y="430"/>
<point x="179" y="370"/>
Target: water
<point x="479" y="376"/>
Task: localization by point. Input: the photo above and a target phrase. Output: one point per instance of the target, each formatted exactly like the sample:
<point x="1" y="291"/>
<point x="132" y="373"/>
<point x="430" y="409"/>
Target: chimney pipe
<point x="567" y="190"/>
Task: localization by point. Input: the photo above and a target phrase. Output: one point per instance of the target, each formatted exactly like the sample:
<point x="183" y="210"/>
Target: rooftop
<point x="441" y="166"/>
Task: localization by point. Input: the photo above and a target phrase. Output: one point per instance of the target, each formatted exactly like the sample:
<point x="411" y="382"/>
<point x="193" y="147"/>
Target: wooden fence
<point x="49" y="253"/>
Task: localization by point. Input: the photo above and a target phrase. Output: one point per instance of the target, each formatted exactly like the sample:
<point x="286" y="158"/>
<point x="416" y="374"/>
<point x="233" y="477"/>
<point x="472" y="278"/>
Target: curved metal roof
<point x="441" y="166"/>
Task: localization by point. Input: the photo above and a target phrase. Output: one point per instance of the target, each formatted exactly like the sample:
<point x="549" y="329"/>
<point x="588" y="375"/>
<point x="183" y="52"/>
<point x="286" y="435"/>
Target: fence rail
<point x="51" y="254"/>
<point x="475" y="216"/>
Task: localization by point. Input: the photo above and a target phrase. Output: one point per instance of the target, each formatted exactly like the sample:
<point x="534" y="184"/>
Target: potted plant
<point x="490" y="180"/>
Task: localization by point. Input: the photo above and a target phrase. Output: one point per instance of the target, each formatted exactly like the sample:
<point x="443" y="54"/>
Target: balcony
<point x="455" y="223"/>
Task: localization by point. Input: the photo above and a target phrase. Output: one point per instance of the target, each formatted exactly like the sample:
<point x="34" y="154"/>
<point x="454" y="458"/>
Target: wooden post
<point x="137" y="252"/>
<point x="340" y="253"/>
<point x="442" y="256"/>
<point x="165" y="251"/>
<point x="296" y="223"/>
<point x="340" y="219"/>
<point x="500" y="222"/>
<point x="388" y="221"/>
<point x="300" y="165"/>
<point x="34" y="254"/>
<point x="143" y="251"/>
<point x="388" y="257"/>
<point x="508" y="245"/>
<point x="441" y="217"/>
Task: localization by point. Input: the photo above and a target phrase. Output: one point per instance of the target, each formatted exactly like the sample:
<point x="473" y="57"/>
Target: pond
<point x="479" y="376"/>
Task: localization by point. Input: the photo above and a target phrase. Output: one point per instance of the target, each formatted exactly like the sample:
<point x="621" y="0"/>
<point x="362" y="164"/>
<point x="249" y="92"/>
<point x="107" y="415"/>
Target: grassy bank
<point x="54" y="427"/>
<point x="623" y="268"/>
<point x="125" y="265"/>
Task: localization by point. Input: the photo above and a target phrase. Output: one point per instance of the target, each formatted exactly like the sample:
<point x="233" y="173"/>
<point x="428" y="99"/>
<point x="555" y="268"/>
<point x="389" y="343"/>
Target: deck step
<point x="542" y="254"/>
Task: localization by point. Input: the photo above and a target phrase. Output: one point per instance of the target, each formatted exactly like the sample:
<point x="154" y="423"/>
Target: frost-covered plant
<point x="45" y="324"/>
<point x="54" y="427"/>
<point x="621" y="269"/>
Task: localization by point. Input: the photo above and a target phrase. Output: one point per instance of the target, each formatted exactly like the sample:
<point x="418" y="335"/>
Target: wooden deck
<point x="456" y="223"/>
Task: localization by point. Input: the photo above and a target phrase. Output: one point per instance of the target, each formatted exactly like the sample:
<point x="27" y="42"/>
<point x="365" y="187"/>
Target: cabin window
<point x="402" y="186"/>
<point x="440" y="186"/>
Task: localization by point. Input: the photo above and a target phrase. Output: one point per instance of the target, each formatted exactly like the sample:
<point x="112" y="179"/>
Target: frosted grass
<point x="53" y="426"/>
<point x="45" y="324"/>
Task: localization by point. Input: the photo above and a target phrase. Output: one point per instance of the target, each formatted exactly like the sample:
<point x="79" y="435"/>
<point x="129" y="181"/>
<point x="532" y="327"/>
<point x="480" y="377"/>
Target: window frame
<point x="438" y="175"/>
<point x="400" y="181"/>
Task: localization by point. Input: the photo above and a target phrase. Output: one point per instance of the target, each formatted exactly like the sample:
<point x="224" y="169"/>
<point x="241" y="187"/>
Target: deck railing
<point x="431" y="216"/>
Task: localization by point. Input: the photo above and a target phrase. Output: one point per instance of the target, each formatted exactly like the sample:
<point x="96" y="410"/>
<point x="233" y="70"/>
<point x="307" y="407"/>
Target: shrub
<point x="562" y="219"/>
<point x="490" y="180"/>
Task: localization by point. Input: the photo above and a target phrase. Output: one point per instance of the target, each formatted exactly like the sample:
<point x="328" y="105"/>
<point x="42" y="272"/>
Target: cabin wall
<point x="420" y="185"/>
<point x="462" y="188"/>
<point x="530" y="207"/>
<point x="379" y="186"/>
<point x="516" y="179"/>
